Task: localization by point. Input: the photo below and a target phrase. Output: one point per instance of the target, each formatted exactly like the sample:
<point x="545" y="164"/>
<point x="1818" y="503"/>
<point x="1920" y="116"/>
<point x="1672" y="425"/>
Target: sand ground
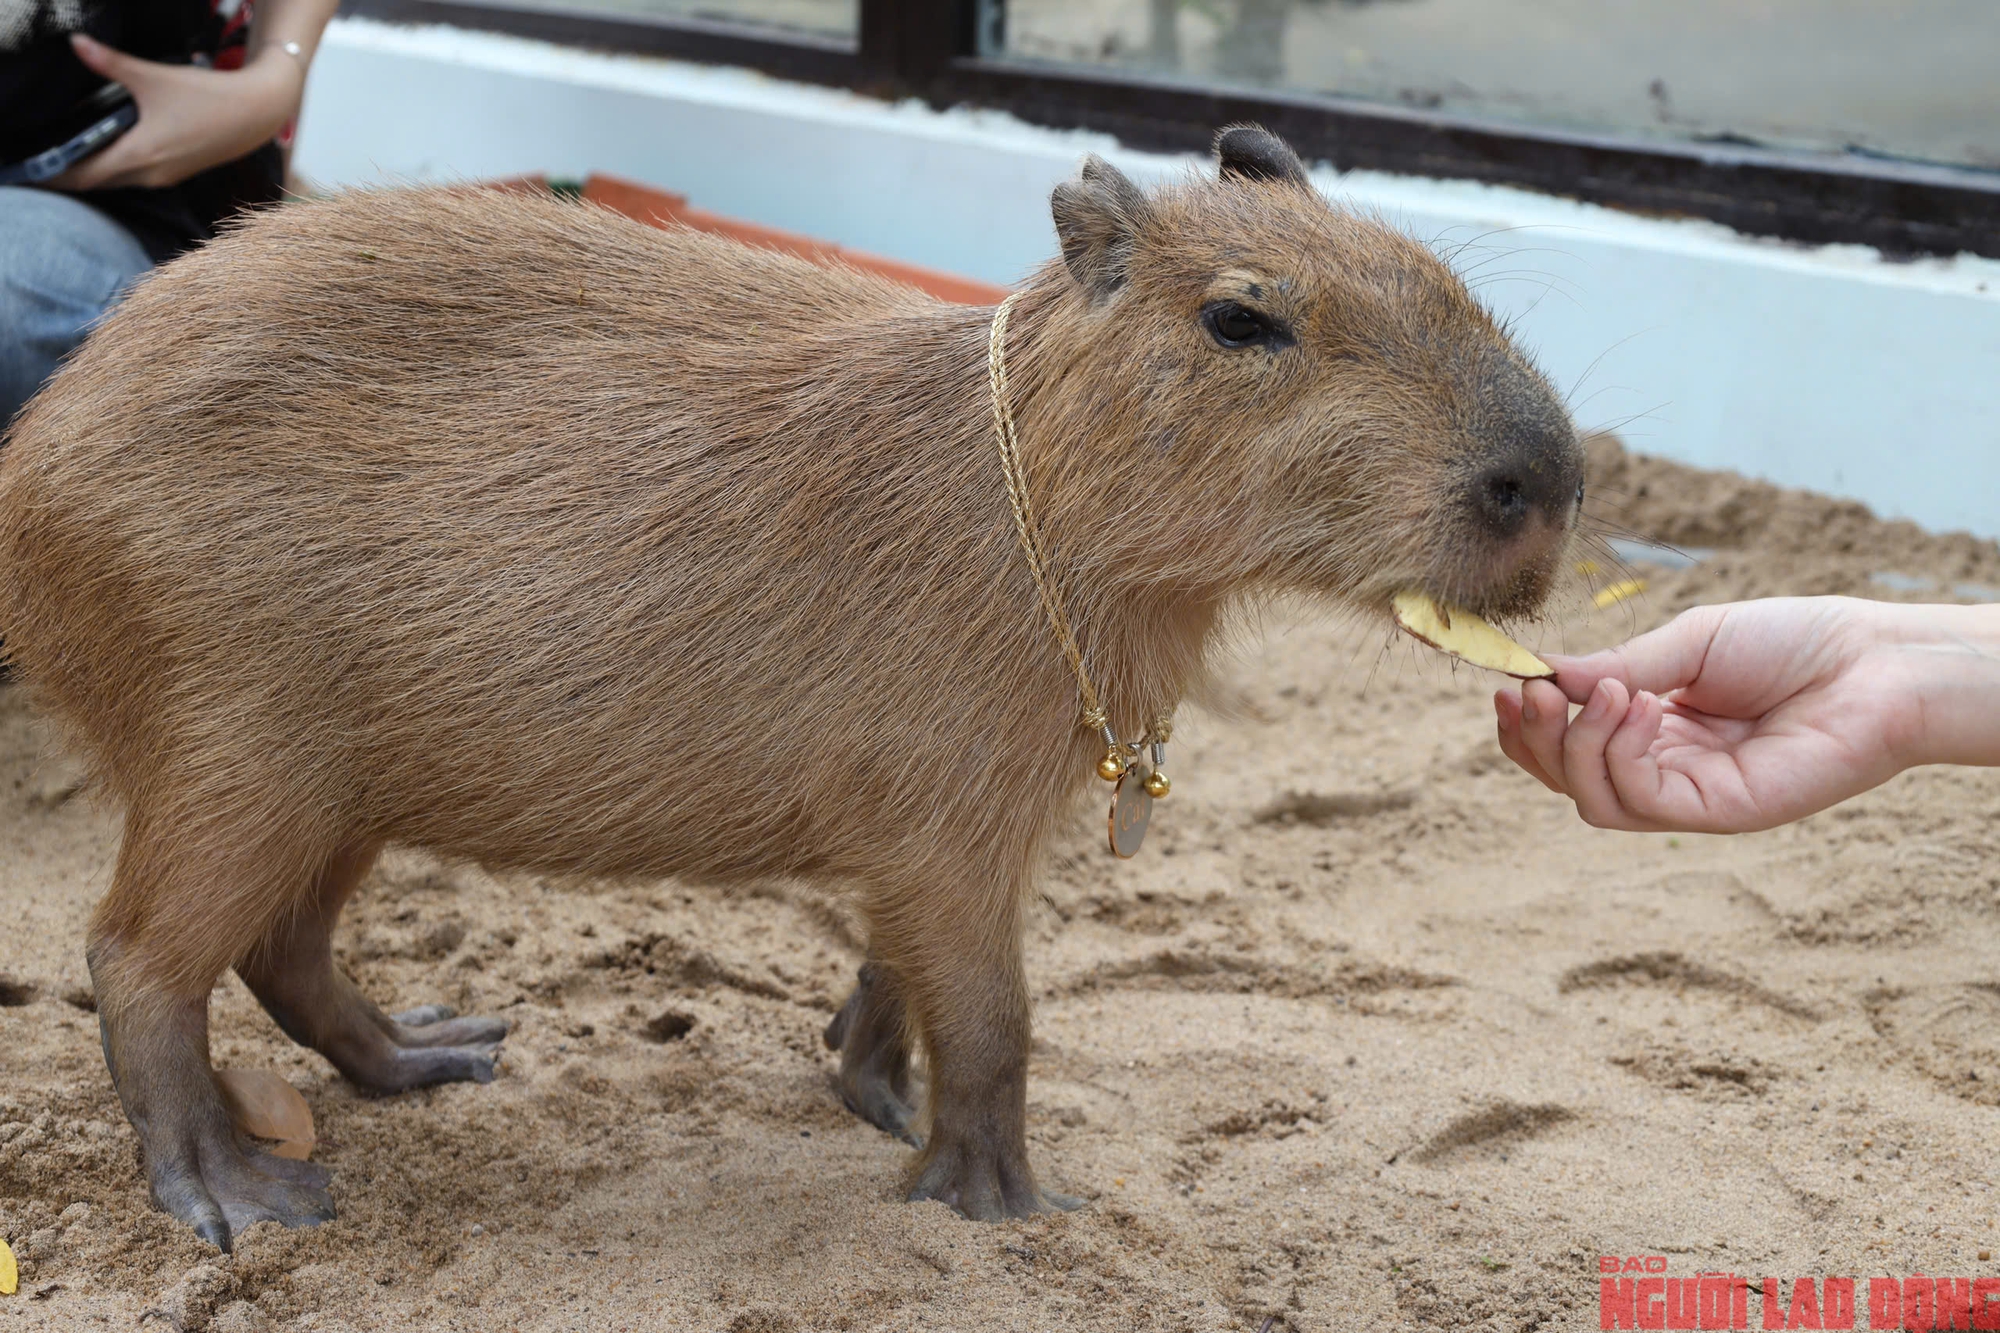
<point x="1375" y="1034"/>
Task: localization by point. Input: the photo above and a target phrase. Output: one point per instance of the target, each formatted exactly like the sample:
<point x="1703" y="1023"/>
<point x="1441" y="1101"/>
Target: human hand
<point x="190" y="118"/>
<point x="1742" y="717"/>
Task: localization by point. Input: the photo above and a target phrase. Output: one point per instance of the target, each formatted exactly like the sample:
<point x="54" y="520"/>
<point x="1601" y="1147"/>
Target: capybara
<point x="505" y="527"/>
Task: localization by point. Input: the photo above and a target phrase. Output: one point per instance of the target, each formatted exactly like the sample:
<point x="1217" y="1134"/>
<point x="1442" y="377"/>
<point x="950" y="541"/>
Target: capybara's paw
<point x="219" y="1189"/>
<point x="401" y="1068"/>
<point x="984" y="1184"/>
<point x="835" y="1035"/>
<point x="871" y="1035"/>
<point x="870" y="1093"/>
<point x="426" y="1046"/>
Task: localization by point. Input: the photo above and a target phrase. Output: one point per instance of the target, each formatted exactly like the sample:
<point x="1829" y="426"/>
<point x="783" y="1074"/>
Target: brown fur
<point x="505" y="527"/>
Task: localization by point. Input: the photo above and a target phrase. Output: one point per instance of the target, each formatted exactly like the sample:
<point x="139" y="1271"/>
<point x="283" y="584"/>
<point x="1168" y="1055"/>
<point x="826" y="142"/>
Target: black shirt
<point x="42" y="81"/>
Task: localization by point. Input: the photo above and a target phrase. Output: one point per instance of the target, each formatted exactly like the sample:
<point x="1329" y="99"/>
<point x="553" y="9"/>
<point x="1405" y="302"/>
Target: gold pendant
<point x="1131" y="807"/>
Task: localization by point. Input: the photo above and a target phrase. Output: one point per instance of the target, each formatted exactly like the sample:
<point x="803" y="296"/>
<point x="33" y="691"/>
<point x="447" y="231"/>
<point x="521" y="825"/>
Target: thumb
<point x="1665" y="660"/>
<point x="101" y="59"/>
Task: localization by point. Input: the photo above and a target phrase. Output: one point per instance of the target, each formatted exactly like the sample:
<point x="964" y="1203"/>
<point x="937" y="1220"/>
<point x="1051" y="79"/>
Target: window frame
<point x="929" y="49"/>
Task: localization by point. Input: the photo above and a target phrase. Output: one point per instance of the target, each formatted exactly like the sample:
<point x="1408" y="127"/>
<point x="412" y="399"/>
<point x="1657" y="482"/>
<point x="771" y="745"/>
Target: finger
<point x="1664" y="659"/>
<point x="1585" y="768"/>
<point x="1631" y="766"/>
<point x="114" y="165"/>
<point x="108" y="61"/>
<point x="1544" y="719"/>
<point x="1507" y="708"/>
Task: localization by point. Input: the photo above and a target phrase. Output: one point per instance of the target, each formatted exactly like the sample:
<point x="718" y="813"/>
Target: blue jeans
<point x="63" y="264"/>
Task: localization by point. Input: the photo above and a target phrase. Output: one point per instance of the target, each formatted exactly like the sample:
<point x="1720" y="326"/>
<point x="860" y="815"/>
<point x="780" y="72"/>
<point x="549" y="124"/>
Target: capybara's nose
<point x="1527" y="464"/>
<point x="1537" y="479"/>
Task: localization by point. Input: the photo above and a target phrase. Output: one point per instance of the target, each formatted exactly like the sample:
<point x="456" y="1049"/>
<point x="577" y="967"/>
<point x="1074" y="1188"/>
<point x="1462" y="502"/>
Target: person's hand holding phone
<point x="190" y="118"/>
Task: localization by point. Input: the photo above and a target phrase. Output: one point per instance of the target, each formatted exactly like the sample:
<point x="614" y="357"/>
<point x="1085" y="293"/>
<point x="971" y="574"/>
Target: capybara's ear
<point x="1253" y="153"/>
<point x="1097" y="220"/>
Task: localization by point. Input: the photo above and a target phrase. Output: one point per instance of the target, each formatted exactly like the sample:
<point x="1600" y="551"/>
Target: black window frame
<point x="930" y="49"/>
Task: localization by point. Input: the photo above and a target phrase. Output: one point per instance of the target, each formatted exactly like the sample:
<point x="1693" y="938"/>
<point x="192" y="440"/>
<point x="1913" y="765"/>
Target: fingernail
<point x="1600" y="703"/>
<point x="1529" y="712"/>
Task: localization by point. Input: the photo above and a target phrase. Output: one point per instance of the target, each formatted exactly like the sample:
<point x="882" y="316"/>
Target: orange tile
<point x="767" y="238"/>
<point x="639" y="202"/>
<point x="536" y="184"/>
<point x="944" y="286"/>
<point x="659" y="208"/>
<point x="505" y="185"/>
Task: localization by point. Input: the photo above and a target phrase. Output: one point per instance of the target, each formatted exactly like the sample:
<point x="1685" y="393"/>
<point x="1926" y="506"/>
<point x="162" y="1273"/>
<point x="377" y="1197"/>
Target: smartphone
<point x="92" y="124"/>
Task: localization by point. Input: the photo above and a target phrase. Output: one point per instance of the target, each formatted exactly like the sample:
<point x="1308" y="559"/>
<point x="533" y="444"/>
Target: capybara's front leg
<point x="963" y="982"/>
<point x="293" y="975"/>
<point x="199" y="1169"/>
<point x="160" y="940"/>
<point x="871" y="1032"/>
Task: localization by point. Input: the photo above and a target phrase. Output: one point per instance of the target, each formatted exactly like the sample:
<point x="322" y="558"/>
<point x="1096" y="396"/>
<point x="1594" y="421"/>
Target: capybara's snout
<point x="1521" y="492"/>
<point x="1532" y="473"/>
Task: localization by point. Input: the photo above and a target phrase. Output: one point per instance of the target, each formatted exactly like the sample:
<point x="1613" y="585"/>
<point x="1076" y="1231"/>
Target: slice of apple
<point x="1466" y="637"/>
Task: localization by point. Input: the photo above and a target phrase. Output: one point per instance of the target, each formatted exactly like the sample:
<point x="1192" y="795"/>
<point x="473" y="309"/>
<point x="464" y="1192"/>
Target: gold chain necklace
<point x="1131" y="805"/>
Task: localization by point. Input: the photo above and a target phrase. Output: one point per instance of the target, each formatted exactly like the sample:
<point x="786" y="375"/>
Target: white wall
<point x="1826" y="368"/>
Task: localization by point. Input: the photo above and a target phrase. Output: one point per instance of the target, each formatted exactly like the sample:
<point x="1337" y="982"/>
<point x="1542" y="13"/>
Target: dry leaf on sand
<point x="263" y="1104"/>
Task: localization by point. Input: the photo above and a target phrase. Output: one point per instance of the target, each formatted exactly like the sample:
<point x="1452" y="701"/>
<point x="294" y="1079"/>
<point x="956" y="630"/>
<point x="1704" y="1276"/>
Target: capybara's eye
<point x="1234" y="325"/>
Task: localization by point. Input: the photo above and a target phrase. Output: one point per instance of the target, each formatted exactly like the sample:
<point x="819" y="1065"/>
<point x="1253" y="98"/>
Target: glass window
<point x="1916" y="79"/>
<point x="820" y="18"/>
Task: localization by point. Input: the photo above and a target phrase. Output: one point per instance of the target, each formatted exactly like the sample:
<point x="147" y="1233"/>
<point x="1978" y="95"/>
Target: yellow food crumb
<point x="1618" y="592"/>
<point x="10" y="1275"/>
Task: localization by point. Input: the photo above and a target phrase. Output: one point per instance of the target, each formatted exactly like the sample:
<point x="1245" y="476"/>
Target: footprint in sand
<point x="1675" y="972"/>
<point x="1363" y="986"/>
<point x="1951" y="1033"/>
<point x="1491" y="1128"/>
<point x="1710" y="1075"/>
<point x="1323" y="810"/>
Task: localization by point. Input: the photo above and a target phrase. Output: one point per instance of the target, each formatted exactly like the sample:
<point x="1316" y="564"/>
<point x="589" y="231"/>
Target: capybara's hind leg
<point x="872" y="1036"/>
<point x="961" y="977"/>
<point x="293" y="975"/>
<point x="158" y="944"/>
